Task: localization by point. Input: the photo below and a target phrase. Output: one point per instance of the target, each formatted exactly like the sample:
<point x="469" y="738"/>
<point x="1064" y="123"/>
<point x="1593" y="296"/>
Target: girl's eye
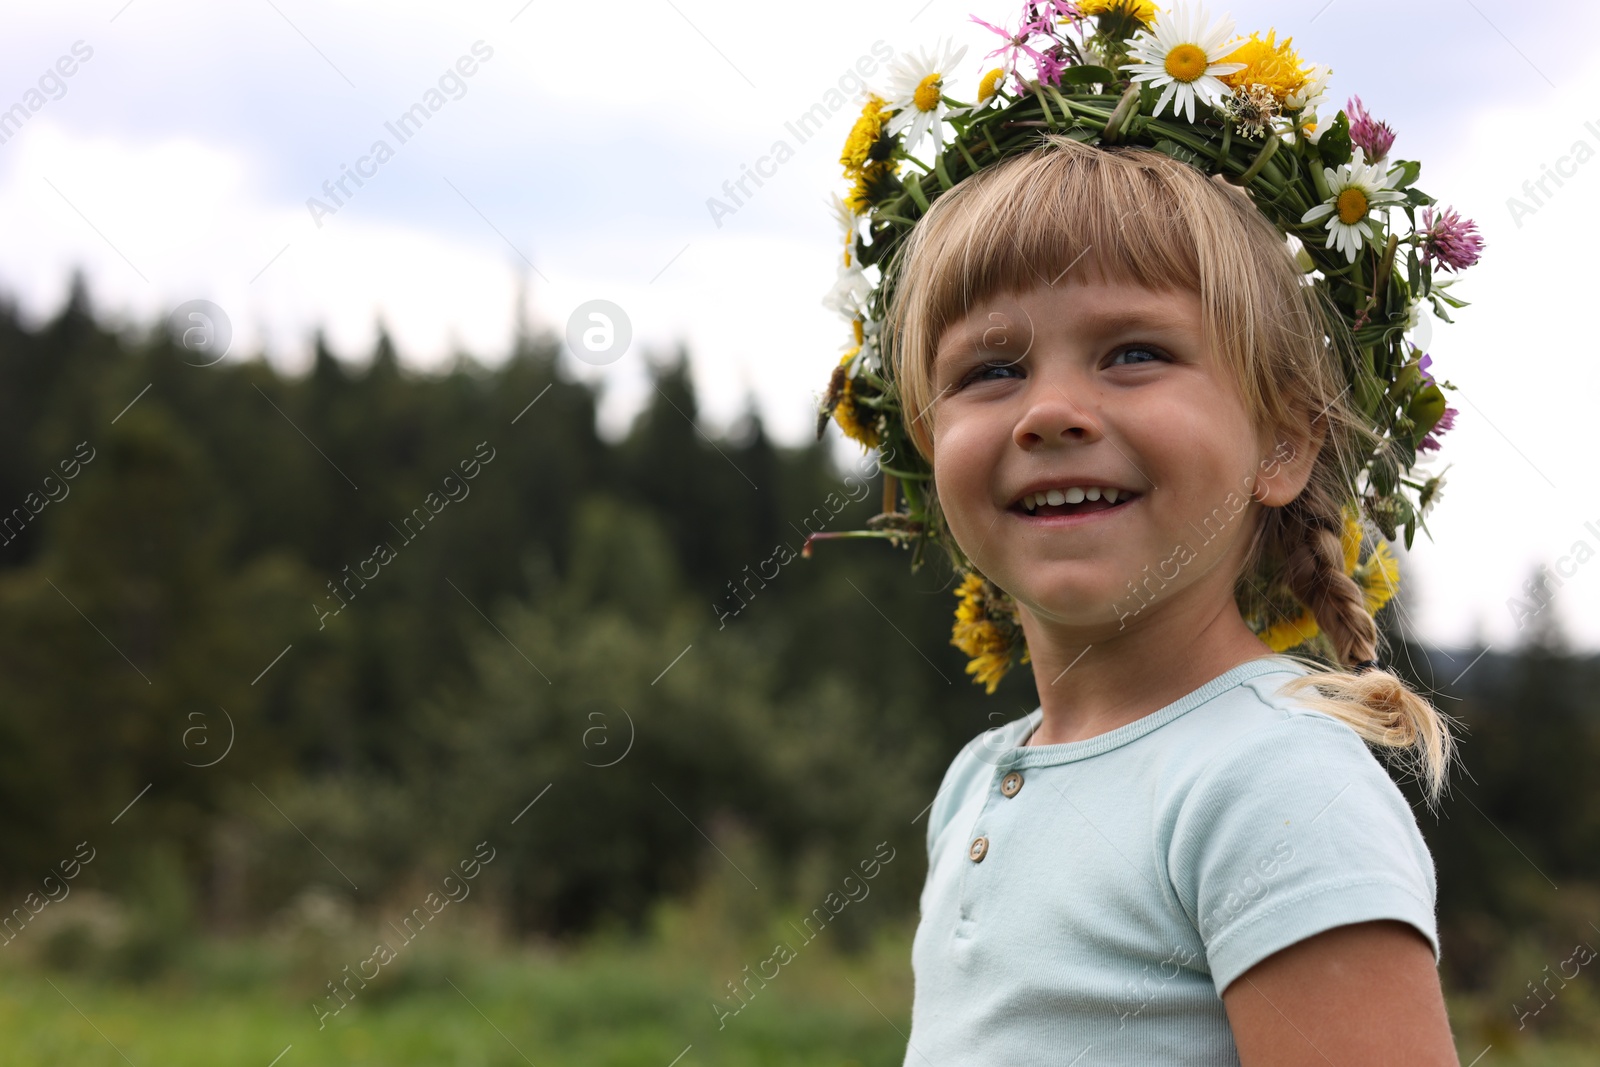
<point x="981" y="372"/>
<point x="1153" y="354"/>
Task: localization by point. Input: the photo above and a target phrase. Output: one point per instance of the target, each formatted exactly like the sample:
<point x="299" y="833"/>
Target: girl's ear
<point x="1287" y="459"/>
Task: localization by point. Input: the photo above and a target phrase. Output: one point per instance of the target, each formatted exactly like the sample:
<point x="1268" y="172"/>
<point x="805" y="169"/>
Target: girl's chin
<point x="1076" y="606"/>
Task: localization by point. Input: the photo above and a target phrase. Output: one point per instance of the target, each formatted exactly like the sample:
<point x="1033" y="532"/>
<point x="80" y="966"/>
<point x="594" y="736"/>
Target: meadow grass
<point x="465" y="998"/>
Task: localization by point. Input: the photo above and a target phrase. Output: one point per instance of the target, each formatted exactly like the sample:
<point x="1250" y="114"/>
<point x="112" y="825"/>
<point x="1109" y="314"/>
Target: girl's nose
<point x="1050" y="414"/>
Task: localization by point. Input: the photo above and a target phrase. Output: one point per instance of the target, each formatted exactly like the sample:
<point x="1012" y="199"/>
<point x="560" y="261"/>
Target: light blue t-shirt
<point x="1097" y="904"/>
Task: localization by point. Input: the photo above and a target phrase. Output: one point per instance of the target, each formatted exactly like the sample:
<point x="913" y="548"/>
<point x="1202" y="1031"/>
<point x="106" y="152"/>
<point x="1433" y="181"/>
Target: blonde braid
<point x="1314" y="572"/>
<point x="1373" y="702"/>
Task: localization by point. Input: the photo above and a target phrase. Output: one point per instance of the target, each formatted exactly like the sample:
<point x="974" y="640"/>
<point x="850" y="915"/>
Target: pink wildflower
<point x="1043" y="14"/>
<point x="1449" y="240"/>
<point x="1038" y="21"/>
<point x="1016" y="43"/>
<point x="1049" y="66"/>
<point x="1375" y="138"/>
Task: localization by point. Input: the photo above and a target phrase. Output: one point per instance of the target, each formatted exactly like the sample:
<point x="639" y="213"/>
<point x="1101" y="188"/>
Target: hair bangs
<point x="1057" y="221"/>
<point x="1063" y="212"/>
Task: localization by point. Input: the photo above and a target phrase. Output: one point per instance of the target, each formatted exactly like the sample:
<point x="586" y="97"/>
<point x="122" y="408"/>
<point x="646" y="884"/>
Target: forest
<point x="281" y="650"/>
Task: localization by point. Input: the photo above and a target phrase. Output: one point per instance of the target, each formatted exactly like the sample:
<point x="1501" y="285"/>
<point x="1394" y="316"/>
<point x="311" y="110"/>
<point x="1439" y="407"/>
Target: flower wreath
<point x="1127" y="72"/>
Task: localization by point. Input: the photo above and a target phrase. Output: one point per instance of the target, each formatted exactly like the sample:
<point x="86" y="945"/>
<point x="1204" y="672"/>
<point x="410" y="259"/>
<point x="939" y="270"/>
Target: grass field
<point x="611" y="1014"/>
<point x="459" y="1001"/>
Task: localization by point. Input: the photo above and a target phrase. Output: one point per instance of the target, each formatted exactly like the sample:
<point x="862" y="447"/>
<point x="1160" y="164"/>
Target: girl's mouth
<point x="1037" y="506"/>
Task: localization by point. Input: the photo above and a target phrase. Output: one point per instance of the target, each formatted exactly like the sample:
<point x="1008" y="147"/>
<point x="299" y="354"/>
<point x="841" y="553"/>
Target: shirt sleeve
<point x="1294" y="829"/>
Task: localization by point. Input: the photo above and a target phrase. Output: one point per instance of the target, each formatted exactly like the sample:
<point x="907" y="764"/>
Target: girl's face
<point x="1094" y="386"/>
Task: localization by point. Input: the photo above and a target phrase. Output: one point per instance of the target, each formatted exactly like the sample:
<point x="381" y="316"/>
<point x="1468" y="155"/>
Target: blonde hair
<point x="1139" y="216"/>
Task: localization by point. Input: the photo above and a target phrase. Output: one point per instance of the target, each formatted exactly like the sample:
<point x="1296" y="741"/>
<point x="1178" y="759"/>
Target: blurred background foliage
<point x="557" y="635"/>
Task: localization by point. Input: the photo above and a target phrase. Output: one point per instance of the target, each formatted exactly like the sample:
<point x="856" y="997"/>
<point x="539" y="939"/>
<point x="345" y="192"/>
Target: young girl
<point x="1146" y="378"/>
<point x="1186" y="854"/>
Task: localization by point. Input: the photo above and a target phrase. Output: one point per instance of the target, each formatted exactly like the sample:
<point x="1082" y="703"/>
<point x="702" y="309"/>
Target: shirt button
<point x="979" y="849"/>
<point x="1011" y="784"/>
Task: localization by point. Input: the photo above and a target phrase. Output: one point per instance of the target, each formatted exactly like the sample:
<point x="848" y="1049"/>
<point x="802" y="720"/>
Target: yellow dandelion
<point x="1267" y="63"/>
<point x="872" y="183"/>
<point x="1350" y="540"/>
<point x="1287" y="633"/>
<point x="1143" y="10"/>
<point x="858" y="425"/>
<point x="1378" y="577"/>
<point x="865" y="134"/>
<point x="986" y="641"/>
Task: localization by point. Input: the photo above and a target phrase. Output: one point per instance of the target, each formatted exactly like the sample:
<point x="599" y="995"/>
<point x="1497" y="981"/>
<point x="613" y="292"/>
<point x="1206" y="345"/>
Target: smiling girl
<point x="1134" y="416"/>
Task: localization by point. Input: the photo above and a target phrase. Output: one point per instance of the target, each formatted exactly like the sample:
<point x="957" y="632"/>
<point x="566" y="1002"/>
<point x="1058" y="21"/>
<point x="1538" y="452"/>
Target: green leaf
<point x="1087" y="75"/>
<point x="1334" y="146"/>
<point x="1409" y="169"/>
<point x="1426" y="409"/>
<point x="1408" y="376"/>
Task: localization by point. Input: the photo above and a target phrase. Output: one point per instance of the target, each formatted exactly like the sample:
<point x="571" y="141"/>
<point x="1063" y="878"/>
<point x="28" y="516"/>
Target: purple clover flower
<point x="1430" y="441"/>
<point x="1449" y="240"/>
<point x="1375" y="138"/>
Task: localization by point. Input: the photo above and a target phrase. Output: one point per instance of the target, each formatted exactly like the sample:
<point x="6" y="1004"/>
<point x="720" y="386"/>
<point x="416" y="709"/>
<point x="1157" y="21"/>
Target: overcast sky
<point x="177" y="159"/>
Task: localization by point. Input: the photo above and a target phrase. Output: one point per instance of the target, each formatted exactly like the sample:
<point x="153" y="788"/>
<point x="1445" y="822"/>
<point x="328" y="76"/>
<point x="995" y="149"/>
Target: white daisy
<point x="847" y="226"/>
<point x="1182" y="54"/>
<point x="1354" y="189"/>
<point x="989" y="86"/>
<point x="1311" y="93"/>
<point x="1306" y="100"/>
<point x="868" y="331"/>
<point x="850" y="293"/>
<point x="1429" y="495"/>
<point x="916" y="93"/>
<point x="1302" y="258"/>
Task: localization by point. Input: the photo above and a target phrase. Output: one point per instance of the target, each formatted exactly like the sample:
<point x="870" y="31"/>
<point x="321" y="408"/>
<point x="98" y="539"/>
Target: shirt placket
<point x="989" y="844"/>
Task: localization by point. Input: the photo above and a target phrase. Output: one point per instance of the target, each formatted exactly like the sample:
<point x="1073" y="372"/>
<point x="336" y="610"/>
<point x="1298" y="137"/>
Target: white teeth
<point x="1075" y="495"/>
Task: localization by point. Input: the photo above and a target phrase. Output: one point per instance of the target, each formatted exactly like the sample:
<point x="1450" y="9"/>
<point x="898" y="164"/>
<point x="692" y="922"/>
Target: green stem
<point x="1112" y="133"/>
<point x="909" y="475"/>
<point x="1268" y="150"/>
<point x="1319" y="180"/>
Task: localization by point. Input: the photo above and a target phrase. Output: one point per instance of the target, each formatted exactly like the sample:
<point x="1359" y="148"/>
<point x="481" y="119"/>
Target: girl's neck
<point x="1091" y="683"/>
